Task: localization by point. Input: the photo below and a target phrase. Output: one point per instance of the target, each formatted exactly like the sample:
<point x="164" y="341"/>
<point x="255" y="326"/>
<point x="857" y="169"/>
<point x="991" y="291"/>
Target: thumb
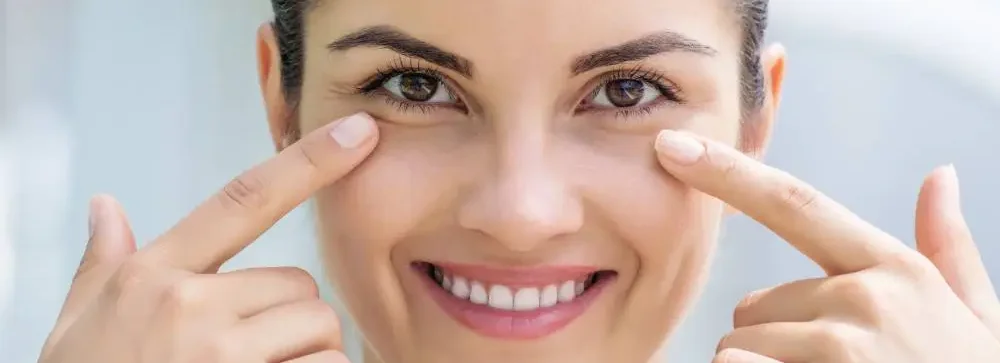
<point x="111" y="238"/>
<point x="111" y="242"/>
<point x="944" y="238"/>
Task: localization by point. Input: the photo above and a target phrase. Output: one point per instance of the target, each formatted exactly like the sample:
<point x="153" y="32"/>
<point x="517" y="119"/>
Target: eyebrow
<point x="640" y="48"/>
<point x="389" y="37"/>
<point x="384" y="36"/>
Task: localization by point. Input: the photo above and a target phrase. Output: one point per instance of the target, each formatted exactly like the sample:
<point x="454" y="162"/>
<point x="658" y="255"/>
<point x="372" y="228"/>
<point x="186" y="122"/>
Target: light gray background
<point x="157" y="103"/>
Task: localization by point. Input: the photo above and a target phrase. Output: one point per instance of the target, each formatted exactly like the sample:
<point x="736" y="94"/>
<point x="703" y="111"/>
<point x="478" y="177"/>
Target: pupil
<point x="417" y="87"/>
<point x="625" y="92"/>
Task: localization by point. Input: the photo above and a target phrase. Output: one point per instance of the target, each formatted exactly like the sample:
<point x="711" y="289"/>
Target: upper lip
<point x="517" y="276"/>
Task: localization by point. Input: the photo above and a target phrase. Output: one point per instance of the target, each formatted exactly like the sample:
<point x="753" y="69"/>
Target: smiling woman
<point x="493" y="219"/>
<point x="496" y="182"/>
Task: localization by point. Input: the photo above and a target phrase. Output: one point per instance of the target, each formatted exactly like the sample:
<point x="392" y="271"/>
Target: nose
<point x="525" y="201"/>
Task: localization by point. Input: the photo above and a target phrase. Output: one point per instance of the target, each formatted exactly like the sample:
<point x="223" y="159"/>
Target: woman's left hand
<point x="881" y="301"/>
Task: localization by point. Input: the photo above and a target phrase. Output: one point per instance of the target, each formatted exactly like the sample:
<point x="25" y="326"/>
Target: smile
<point x="513" y="303"/>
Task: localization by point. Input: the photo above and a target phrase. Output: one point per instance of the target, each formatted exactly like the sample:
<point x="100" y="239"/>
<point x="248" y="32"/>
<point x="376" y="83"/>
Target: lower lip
<point x="514" y="325"/>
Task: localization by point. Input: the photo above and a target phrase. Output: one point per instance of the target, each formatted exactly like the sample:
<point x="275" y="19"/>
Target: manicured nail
<point x="679" y="147"/>
<point x="352" y="131"/>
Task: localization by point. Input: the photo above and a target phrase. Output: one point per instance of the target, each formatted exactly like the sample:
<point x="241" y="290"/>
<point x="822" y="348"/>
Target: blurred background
<point x="157" y="103"/>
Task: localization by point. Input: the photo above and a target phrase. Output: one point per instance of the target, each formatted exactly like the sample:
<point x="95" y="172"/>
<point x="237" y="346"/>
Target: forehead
<point x="498" y="32"/>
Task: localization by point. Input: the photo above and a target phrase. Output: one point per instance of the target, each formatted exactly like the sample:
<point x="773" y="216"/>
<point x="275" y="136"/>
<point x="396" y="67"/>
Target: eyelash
<point x="373" y="87"/>
<point x="668" y="90"/>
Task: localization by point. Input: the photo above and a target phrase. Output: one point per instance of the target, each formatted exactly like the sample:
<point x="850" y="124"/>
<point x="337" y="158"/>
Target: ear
<point x="757" y="127"/>
<point x="755" y="133"/>
<point x="280" y="114"/>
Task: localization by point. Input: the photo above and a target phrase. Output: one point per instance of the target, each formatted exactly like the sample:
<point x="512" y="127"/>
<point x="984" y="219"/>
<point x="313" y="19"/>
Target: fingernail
<point x="956" y="194"/>
<point x="679" y="147"/>
<point x="95" y="215"/>
<point x="352" y="131"/>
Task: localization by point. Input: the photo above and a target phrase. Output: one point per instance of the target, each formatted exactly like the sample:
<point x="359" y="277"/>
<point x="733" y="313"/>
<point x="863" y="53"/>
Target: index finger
<point x="226" y="223"/>
<point x="822" y="229"/>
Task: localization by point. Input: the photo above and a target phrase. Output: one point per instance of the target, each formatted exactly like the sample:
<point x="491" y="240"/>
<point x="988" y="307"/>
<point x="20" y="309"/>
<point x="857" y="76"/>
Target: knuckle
<point x="183" y="296"/>
<point x="744" y="308"/>
<point x="323" y="312"/>
<point x="730" y="168"/>
<point x="733" y="339"/>
<point x="913" y="265"/>
<point x="798" y="196"/>
<point x="863" y="295"/>
<point x="724" y="343"/>
<point x="301" y="279"/>
<point x="246" y="191"/>
<point x="324" y="315"/>
<point x="838" y="341"/>
<point x="307" y="155"/>
<point x="857" y="289"/>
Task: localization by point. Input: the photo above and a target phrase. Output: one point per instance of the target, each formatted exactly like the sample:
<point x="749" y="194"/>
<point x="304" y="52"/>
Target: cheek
<point x="649" y="209"/>
<point x="671" y="228"/>
<point x="405" y="181"/>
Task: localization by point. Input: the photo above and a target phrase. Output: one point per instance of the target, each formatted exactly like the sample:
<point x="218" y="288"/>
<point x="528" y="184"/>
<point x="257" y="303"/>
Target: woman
<point x="502" y="184"/>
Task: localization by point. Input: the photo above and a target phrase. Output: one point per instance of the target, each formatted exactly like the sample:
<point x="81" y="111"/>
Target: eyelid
<point x="402" y="64"/>
<point x="640" y="73"/>
<point x="667" y="88"/>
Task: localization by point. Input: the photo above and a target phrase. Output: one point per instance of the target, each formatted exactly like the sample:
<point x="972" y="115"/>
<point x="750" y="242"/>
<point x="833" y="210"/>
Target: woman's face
<point x="514" y="209"/>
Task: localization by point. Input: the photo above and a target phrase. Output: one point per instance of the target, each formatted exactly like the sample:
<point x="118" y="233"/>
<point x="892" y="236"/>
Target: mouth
<point x="513" y="303"/>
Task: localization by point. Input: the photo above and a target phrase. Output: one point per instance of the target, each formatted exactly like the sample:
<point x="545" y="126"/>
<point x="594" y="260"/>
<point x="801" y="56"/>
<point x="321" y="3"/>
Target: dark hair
<point x="289" y="21"/>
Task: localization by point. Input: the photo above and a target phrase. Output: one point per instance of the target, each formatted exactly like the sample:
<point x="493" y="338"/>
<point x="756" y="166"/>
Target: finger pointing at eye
<point x="825" y="231"/>
<point x="229" y="221"/>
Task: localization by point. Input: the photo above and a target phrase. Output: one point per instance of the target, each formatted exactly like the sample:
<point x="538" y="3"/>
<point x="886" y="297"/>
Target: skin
<point x="519" y="179"/>
<point x="522" y="179"/>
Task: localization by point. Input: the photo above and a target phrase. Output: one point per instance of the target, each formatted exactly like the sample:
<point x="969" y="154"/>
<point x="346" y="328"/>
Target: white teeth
<point x="567" y="291"/>
<point x="478" y="294"/>
<point x="550" y="296"/>
<point x="526" y="299"/>
<point x="460" y="288"/>
<point x="501" y="298"/>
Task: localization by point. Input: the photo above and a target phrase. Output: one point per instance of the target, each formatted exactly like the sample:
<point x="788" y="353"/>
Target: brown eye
<point x="418" y="87"/>
<point x="623" y="93"/>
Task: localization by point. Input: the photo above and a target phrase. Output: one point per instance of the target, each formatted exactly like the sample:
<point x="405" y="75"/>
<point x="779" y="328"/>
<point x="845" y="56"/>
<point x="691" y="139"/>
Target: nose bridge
<point x="525" y="201"/>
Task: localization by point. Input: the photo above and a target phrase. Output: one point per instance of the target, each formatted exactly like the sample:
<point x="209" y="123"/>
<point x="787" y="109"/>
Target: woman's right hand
<point x="167" y="303"/>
